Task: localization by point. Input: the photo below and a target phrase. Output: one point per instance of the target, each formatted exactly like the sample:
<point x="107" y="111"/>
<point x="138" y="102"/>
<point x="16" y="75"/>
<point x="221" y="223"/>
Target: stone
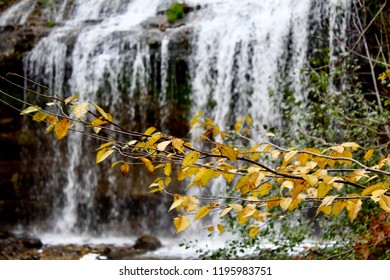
<point x="147" y="242"/>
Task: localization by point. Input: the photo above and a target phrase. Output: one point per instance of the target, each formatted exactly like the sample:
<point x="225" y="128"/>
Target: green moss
<point x="175" y="12"/>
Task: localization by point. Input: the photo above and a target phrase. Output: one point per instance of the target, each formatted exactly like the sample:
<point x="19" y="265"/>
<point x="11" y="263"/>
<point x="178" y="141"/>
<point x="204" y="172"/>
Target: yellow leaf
<point x="338" y="206"/>
<point x="210" y="228"/>
<point x="242" y="182"/>
<point x="353" y="208"/>
<point x="181" y="223"/>
<point x="150" y="130"/>
<point x="265" y="189"/>
<point x="259" y="216"/>
<point x="216" y="130"/>
<point x="152" y="140"/>
<point x="378" y="186"/>
<point x="148" y="164"/>
<point x="247" y="212"/>
<point x="221" y="228"/>
<point x="178" y="145"/>
<point x="61" y="128"/>
<point x="311" y="179"/>
<point x="323" y="189"/>
<point x="236" y="207"/>
<point x="384" y="203"/>
<point x="105" y="115"/>
<point x="39" y="117"/>
<point x="270" y="134"/>
<point x="202" y="212"/>
<point x="377" y="195"/>
<point x="285" y="203"/>
<point x="275" y="153"/>
<point x="71" y="98"/>
<point x="288" y="157"/>
<point x="225" y="211"/>
<point x="168" y="169"/>
<point x="116" y="163"/>
<point x="190" y="158"/>
<point x="178" y="200"/>
<point x="227" y="151"/>
<point x="352" y="145"/>
<point x="105" y="145"/>
<point x="51" y="119"/>
<point x="254" y="231"/>
<point x="338" y="149"/>
<point x="103" y="154"/>
<point x="369" y="154"/>
<point x="163" y="145"/>
<point x="286" y="185"/>
<point x="98" y="122"/>
<point x="228" y="177"/>
<point x="328" y="200"/>
<point x="30" y="109"/>
<point x="80" y="109"/>
<point x="249" y="119"/>
<point x="180" y="175"/>
<point x="238" y="125"/>
<point x="125" y="169"/>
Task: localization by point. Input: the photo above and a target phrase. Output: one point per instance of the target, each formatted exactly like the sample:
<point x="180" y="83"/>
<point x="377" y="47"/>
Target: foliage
<point x="175" y="12"/>
<point x="265" y="182"/>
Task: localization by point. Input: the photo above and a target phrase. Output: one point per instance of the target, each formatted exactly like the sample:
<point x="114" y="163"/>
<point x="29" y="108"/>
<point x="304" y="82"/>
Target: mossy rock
<point x="147" y="242"/>
<point x="175" y="12"/>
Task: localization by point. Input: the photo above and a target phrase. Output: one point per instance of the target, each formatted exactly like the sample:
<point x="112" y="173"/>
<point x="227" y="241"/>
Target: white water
<point x="18" y="13"/>
<point x="240" y="51"/>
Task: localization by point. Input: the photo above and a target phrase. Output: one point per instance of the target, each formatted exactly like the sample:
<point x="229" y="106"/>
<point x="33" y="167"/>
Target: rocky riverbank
<point x="14" y="247"/>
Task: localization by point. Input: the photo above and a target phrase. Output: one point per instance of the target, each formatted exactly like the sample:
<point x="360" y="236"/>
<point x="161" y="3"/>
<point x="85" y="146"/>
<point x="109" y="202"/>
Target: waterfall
<point x="224" y="58"/>
<point x="18" y="13"/>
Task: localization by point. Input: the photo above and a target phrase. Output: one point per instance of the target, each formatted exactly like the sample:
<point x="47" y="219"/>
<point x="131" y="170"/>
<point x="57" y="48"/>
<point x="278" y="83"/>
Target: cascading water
<point x="224" y="58"/>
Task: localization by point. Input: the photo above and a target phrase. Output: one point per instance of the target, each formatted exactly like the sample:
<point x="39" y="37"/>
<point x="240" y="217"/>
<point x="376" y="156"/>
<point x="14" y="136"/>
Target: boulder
<point x="147" y="242"/>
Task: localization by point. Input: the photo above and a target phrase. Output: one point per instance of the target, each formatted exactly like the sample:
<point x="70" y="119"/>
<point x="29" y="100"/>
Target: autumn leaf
<point x="236" y="207"/>
<point x="39" y="116"/>
<point x="178" y="145"/>
<point x="125" y="169"/>
<point x="288" y="157"/>
<point x="384" y="203"/>
<point x="30" y="109"/>
<point x="103" y="154"/>
<point x="181" y="223"/>
<point x="338" y="206"/>
<point x="378" y="186"/>
<point x="369" y="154"/>
<point x="168" y="169"/>
<point x="254" y="231"/>
<point x="163" y="145"/>
<point x="227" y="151"/>
<point x="323" y="189"/>
<point x="352" y="145"/>
<point x="285" y="203"/>
<point x="221" y="228"/>
<point x="202" y="212"/>
<point x="148" y="164"/>
<point x="80" y="109"/>
<point x="311" y="179"/>
<point x="152" y="140"/>
<point x="353" y="208"/>
<point x="105" y="115"/>
<point x="178" y="200"/>
<point x="225" y="211"/>
<point x="61" y="128"/>
<point x="71" y="98"/>
<point x="190" y="158"/>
